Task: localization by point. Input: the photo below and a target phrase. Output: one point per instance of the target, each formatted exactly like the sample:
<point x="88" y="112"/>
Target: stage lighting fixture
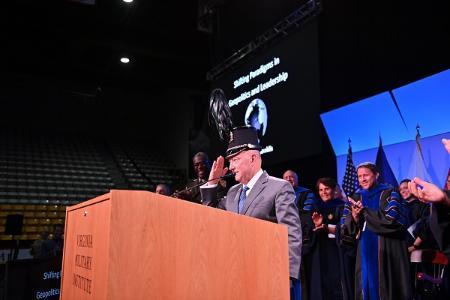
<point x="124" y="60"/>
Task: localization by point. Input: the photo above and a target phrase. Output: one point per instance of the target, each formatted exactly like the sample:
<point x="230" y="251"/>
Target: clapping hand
<point x="446" y="143"/>
<point x="357" y="207"/>
<point x="317" y="219"/>
<point x="428" y="192"/>
<point x="425" y="191"/>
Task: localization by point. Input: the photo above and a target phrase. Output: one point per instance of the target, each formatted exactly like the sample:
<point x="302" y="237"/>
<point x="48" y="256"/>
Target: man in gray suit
<point x="257" y="194"/>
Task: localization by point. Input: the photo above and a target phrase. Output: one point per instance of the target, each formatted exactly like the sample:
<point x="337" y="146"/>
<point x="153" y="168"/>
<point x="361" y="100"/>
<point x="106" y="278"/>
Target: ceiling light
<point x="124" y="60"/>
<point x="127" y="1"/>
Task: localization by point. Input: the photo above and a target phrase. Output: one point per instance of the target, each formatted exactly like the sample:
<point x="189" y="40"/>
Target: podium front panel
<point x="141" y="245"/>
<point x="85" y="261"/>
<point x="166" y="248"/>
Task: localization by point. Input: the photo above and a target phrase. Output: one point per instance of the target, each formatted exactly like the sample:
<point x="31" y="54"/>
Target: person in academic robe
<point x="375" y="222"/>
<point x="303" y="198"/>
<point x="328" y="262"/>
<point x="419" y="235"/>
<point x="439" y="217"/>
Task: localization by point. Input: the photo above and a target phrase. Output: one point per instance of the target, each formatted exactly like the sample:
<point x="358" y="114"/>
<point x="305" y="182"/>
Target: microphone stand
<point x="187" y="189"/>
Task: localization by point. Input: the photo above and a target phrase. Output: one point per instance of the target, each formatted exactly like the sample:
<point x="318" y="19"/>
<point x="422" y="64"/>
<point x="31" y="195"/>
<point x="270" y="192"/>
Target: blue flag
<point x="386" y="174"/>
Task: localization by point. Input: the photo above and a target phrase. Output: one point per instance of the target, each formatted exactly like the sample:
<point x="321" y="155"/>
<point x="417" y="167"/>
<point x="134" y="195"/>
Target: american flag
<point x="350" y="182"/>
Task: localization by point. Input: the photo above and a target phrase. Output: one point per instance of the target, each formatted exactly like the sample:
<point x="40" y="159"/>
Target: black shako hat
<point x="242" y="139"/>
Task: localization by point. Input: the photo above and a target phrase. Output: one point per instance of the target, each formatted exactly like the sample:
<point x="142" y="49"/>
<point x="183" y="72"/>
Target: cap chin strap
<point x="240" y="148"/>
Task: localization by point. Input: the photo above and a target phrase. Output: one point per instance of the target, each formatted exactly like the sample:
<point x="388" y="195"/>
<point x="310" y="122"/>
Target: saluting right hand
<point x="217" y="170"/>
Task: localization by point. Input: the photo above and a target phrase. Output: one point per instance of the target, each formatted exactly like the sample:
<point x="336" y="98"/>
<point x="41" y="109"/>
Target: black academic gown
<point x="325" y="271"/>
<point x="382" y="263"/>
<point x="329" y="268"/>
<point x="440" y="226"/>
<point x="420" y="227"/>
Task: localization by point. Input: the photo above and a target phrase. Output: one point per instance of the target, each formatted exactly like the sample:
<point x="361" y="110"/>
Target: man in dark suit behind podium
<point x="257" y="194"/>
<point x="202" y="166"/>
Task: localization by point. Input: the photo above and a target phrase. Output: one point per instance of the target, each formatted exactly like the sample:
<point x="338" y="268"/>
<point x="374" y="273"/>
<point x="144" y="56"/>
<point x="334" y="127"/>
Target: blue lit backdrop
<point x="394" y="117"/>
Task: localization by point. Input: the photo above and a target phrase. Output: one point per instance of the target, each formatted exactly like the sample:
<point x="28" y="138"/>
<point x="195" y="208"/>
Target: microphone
<point x="187" y="189"/>
<point x="228" y="175"/>
<point x="425" y="277"/>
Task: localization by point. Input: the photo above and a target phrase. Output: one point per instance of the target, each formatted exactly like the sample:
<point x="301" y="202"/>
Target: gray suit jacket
<point x="270" y="199"/>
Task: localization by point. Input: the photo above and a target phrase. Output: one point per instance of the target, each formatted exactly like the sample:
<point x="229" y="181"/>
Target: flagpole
<point x="418" y="141"/>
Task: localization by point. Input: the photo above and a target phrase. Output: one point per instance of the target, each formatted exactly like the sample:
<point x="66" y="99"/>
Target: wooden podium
<point x="140" y="245"/>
